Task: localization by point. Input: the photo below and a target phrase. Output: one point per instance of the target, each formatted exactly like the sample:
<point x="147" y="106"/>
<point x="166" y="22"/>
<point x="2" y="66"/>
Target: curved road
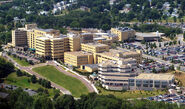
<point x="63" y="90"/>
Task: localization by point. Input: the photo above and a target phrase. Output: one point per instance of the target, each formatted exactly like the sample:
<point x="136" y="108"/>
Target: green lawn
<point x="75" y="86"/>
<point x="22" y="81"/>
<point x="130" y="94"/>
<point x="20" y="62"/>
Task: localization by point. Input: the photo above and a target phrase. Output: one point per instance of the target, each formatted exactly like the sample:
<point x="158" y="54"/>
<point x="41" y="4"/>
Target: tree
<point x="159" y="5"/>
<point x="65" y="102"/>
<point x="175" y="19"/>
<point x="20" y="99"/>
<point x="75" y="25"/>
<point x="105" y="27"/>
<point x="43" y="102"/>
<point x="19" y="73"/>
<point x="5" y="67"/>
<point x="172" y="67"/>
<point x="179" y="42"/>
<point x="33" y="79"/>
<point x="154" y="70"/>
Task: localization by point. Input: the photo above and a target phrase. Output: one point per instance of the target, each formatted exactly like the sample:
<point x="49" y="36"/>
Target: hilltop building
<point x="114" y="75"/>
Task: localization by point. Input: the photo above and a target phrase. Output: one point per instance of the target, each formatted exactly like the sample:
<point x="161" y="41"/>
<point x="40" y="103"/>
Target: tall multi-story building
<point x="48" y="43"/>
<point x="123" y="33"/>
<point x="114" y="75"/>
<point x="146" y="81"/>
<point x="51" y="47"/>
<point x="78" y="58"/>
<point x="33" y="34"/>
<point x="19" y="37"/>
<point x="94" y="47"/>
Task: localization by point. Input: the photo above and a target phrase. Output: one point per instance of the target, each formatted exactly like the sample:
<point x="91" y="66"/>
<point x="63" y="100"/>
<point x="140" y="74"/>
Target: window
<point x="145" y="85"/>
<point x="164" y="86"/>
<point x="157" y="86"/>
<point x="131" y="80"/>
<point x="138" y="85"/>
<point x="131" y="84"/>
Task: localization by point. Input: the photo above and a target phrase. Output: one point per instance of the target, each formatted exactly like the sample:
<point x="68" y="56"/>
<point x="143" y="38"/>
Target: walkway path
<point x="79" y="77"/>
<point x="28" y="69"/>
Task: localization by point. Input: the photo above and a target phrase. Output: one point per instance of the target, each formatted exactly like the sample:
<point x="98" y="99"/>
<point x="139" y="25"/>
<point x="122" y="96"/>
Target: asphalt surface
<point x="62" y="89"/>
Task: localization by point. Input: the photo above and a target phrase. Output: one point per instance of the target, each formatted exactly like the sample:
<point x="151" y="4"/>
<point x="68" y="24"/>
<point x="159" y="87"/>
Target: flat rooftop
<point x="45" y="30"/>
<point x="151" y="76"/>
<point x="91" y="65"/>
<point x="78" y="53"/>
<point x="96" y="44"/>
<point x="111" y="35"/>
<point x="124" y="29"/>
<point x="114" y="53"/>
<point x="111" y="63"/>
<point x="50" y="37"/>
<point x="151" y="34"/>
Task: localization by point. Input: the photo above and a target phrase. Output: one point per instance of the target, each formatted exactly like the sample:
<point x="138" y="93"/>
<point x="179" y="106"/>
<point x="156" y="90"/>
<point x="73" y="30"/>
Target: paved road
<point x="63" y="90"/>
<point x="29" y="70"/>
<point x="87" y="84"/>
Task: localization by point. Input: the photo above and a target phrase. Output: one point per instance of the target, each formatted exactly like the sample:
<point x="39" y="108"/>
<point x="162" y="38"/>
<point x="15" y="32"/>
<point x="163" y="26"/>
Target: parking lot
<point x="13" y="87"/>
<point x="149" y="66"/>
<point x="173" y="54"/>
<point x="172" y="97"/>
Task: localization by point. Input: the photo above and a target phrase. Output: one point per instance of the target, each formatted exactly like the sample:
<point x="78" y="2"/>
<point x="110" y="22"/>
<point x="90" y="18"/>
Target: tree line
<point x="32" y="78"/>
<point x="18" y="99"/>
<point x="5" y="67"/>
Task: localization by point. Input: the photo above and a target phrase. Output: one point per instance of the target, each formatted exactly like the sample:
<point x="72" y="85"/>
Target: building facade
<point x="94" y="47"/>
<point x="19" y="37"/>
<point x="115" y="75"/>
<point x="78" y="58"/>
<point x="116" y="55"/>
<point x="86" y="37"/>
<point x="151" y="81"/>
<point x="123" y="33"/>
<point x="74" y="42"/>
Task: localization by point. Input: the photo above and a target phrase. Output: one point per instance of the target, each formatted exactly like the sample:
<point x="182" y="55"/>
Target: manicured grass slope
<point x="75" y="86"/>
<point x="22" y="81"/>
<point x="21" y="62"/>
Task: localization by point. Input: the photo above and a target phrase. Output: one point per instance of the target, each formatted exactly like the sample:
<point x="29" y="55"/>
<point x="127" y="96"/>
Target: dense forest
<point x="102" y="15"/>
<point x="18" y="99"/>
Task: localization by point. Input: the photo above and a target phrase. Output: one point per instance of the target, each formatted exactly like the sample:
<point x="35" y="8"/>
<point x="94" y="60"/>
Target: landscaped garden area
<point x="130" y="94"/>
<point x="75" y="86"/>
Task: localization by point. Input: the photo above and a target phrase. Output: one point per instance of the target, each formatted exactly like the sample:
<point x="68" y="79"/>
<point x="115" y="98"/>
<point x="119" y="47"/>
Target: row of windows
<point x="148" y="85"/>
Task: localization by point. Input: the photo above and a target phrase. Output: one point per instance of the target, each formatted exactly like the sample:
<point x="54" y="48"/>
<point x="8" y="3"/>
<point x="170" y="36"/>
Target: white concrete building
<point x="149" y="81"/>
<point x="114" y="75"/>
